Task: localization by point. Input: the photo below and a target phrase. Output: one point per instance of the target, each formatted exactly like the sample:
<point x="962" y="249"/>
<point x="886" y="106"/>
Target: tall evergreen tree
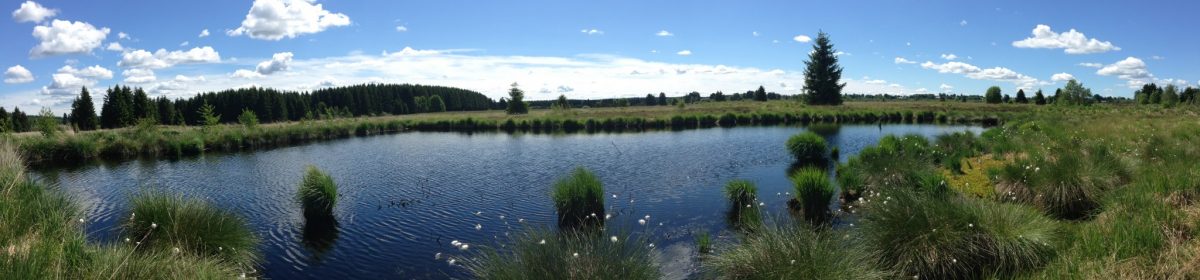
<point x="5" y="121"/>
<point x="1039" y="99"/>
<point x="20" y="121"/>
<point x="662" y="99"/>
<point x="650" y="100"/>
<point x="83" y="112"/>
<point x="143" y="107"/>
<point x="516" y="101"/>
<point x="822" y="74"/>
<point x="993" y="96"/>
<point x="761" y="94"/>
<point x="1021" y="97"/>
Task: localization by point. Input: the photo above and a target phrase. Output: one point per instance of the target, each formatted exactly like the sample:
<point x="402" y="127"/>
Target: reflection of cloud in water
<point x="677" y="261"/>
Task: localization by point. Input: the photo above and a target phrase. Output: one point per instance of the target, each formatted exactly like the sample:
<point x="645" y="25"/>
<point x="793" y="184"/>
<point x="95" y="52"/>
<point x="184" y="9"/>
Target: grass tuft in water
<point x="813" y="192"/>
<point x="807" y="147"/>
<point x="741" y="192"/>
<point x="579" y="199"/>
<point x="317" y="194"/>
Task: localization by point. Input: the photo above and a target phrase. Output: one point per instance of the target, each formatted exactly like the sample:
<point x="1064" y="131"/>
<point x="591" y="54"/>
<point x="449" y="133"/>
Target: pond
<point x="405" y="196"/>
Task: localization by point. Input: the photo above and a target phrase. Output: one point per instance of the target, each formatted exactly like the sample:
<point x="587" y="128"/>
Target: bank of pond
<point x="1028" y="199"/>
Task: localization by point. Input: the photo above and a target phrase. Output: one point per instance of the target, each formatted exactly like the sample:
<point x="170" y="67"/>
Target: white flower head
<point x="642" y="222"/>
<point x="153" y="225"/>
<point x="614" y="239"/>
<point x="543" y="242"/>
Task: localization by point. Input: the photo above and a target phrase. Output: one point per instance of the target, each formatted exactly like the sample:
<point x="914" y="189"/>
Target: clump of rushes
<point x="937" y="237"/>
<point x="813" y="192"/>
<point x="579" y="199"/>
<point x="543" y="254"/>
<point x="1067" y="185"/>
<point x="850" y="182"/>
<point x="318" y="193"/>
<point x="807" y="147"/>
<point x="795" y="252"/>
<point x="741" y="192"/>
<point x="703" y="242"/>
<point x="167" y="222"/>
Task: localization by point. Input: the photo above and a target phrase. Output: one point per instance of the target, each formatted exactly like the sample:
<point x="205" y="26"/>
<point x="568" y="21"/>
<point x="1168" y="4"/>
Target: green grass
<point x="741" y="192"/>
<point x="579" y="198"/>
<point x="813" y="192"/>
<point x="41" y="237"/>
<point x="544" y="254"/>
<point x="318" y="193"/>
<point x="168" y="222"/>
<point x="807" y="147"/>
<point x="794" y="252"/>
<point x="703" y="243"/>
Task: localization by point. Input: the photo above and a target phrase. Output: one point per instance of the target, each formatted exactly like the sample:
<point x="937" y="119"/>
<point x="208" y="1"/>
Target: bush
<point x="579" y="197"/>
<point x="813" y="192"/>
<point x="741" y="192"/>
<point x="779" y="252"/>
<point x="318" y="193"/>
<point x="542" y="254"/>
<point x="193" y="226"/>
<point x="807" y="147"/>
<point x="248" y="119"/>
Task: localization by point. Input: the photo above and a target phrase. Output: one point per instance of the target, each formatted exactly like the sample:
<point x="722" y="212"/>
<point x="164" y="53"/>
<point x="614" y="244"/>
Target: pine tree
<point x="1021" y="97"/>
<point x="1039" y="99"/>
<point x="822" y="74"/>
<point x="650" y="100"/>
<point x="761" y="94"/>
<point x="83" y="112"/>
<point x="516" y="101"/>
<point x="662" y="99"/>
<point x="20" y="121"/>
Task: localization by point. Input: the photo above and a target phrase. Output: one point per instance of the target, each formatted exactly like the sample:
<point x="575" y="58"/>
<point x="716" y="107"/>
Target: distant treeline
<point x="124" y="106"/>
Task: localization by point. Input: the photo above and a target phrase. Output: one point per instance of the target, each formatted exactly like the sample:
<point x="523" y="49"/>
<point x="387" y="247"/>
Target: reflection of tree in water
<point x="319" y="233"/>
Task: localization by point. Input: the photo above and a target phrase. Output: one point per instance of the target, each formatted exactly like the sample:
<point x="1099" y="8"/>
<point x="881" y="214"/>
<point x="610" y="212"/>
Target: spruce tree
<point x="1021" y="97"/>
<point x="662" y="99"/>
<point x="822" y="74"/>
<point x="83" y="112"/>
<point x="516" y="101"/>
<point x="761" y="94"/>
<point x="1039" y="98"/>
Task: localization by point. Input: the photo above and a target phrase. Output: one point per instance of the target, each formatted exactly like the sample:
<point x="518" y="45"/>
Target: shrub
<point x="542" y="254"/>
<point x="318" y="193"/>
<point x="248" y="119"/>
<point x="194" y="226"/>
<point x="813" y="192"/>
<point x="779" y="252"/>
<point x="741" y="192"/>
<point x="579" y="197"/>
<point x="807" y="147"/>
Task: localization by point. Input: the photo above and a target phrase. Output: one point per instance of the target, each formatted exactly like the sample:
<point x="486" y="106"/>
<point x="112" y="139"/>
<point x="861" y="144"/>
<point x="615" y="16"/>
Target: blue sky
<point x="588" y="49"/>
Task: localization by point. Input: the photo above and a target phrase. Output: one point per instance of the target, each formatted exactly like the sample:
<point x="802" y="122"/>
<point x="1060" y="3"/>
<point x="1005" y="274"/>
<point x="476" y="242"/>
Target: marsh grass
<point x="703" y="243"/>
<point x="41" y="237"/>
<point x="317" y="194"/>
<point x="165" y="222"/>
<point x="794" y="252"/>
<point x="741" y="192"/>
<point x="807" y="146"/>
<point x="579" y="199"/>
<point x="564" y="255"/>
<point x="919" y="235"/>
<point x="813" y="193"/>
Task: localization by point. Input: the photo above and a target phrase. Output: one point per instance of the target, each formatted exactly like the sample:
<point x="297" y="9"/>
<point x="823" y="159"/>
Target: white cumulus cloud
<point x="1091" y="65"/>
<point x="139" y="76"/>
<point x="1072" y="42"/>
<point x="1001" y="74"/>
<point x="802" y="38"/>
<point x="66" y="37"/>
<point x="1130" y="69"/>
<point x="949" y="56"/>
<point x="17" y="75"/>
<point x="401" y="28"/>
<point x="115" y="46"/>
<point x="664" y="33"/>
<point x="278" y="19"/>
<point x="245" y="74"/>
<point x="684" y="52"/>
<point x="165" y="59"/>
<point x="592" y="31"/>
<point x="945" y="87"/>
<point x="901" y="60"/>
<point x="68" y="80"/>
<point x="203" y="33"/>
<point x="1062" y="77"/>
<point x="32" y="12"/>
<point x="278" y="62"/>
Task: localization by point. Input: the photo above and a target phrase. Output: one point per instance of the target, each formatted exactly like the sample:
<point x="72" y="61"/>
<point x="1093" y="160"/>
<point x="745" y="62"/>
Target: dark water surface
<point x="404" y="197"/>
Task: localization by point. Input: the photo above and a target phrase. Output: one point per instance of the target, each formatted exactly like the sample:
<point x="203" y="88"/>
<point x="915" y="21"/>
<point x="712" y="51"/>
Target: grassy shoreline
<point x="177" y="141"/>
